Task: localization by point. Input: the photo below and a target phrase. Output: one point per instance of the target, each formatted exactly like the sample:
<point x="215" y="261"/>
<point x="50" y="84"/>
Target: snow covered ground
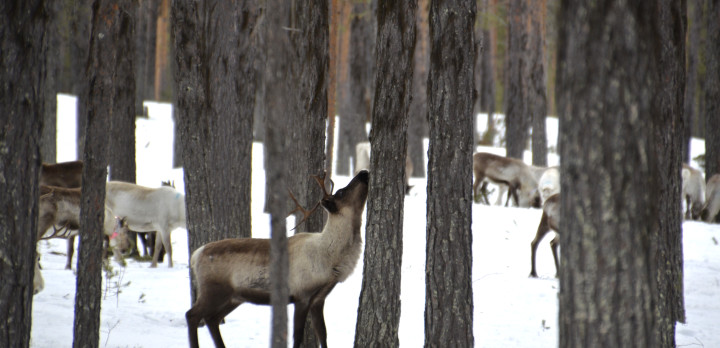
<point x="145" y="307"/>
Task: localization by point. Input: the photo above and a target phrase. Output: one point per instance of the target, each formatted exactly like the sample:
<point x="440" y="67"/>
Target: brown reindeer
<point x="231" y="272"/>
<point x="550" y="221"/>
<point x="64" y="174"/>
<point x="520" y="179"/>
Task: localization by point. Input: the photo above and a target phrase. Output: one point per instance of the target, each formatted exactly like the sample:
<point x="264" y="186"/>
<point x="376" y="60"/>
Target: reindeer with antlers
<point x="231" y="272"/>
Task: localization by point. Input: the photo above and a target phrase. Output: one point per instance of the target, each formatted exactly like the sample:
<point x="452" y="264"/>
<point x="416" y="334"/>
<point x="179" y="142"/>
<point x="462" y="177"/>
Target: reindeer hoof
<point x="533" y="275"/>
<point x="154" y="265"/>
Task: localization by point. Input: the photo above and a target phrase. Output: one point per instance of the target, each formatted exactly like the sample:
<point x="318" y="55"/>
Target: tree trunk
<point x="48" y="140"/>
<point x="517" y="79"/>
<point x="145" y="37"/>
<point x="712" y="89"/>
<point x="694" y="14"/>
<point x="612" y="143"/>
<point x="487" y="66"/>
<point x="537" y="96"/>
<point x="108" y="24"/>
<point x="79" y="48"/>
<point x="215" y="91"/>
<point x="23" y="46"/>
<point x="379" y="308"/>
<point x="343" y="159"/>
<point x="418" y="118"/>
<point x="448" y="265"/>
<point x="121" y="157"/>
<point x="278" y="79"/>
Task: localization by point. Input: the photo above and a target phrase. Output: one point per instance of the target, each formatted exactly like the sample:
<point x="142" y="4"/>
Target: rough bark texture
<point x="102" y="65"/>
<point x="357" y="104"/>
<point x="448" y="265"/>
<point x="145" y="36"/>
<point x="22" y="52"/>
<point x="378" y="317"/>
<point x="712" y="89"/>
<point x="517" y="80"/>
<point x="79" y="48"/>
<point x="418" y="118"/>
<point x="612" y="136"/>
<point x="278" y="81"/>
<point x="216" y="90"/>
<point x="694" y="15"/>
<point x="48" y="139"/>
<point x="668" y="125"/>
<point x="537" y="96"/>
<point x="486" y="70"/>
<point x="121" y="156"/>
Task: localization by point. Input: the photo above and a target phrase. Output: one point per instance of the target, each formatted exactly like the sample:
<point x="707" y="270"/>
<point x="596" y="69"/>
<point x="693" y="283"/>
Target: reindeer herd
<point x="531" y="186"/>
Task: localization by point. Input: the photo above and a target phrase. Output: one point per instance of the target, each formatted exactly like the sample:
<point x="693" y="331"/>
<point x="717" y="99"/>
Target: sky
<point x="145" y="307"/>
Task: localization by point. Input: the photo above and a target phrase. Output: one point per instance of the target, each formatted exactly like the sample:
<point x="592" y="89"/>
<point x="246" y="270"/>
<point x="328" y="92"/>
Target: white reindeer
<point x="550" y="221"/>
<point x="38" y="281"/>
<point x="549" y="183"/>
<point x="521" y="181"/>
<point x="147" y="209"/>
<point x="693" y="191"/>
<point x="712" y="199"/>
<point x="231" y="272"/>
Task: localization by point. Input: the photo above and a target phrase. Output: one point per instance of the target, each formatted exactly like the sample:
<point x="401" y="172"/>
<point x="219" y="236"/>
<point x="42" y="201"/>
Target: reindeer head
<point x="353" y="195"/>
<point x="119" y="240"/>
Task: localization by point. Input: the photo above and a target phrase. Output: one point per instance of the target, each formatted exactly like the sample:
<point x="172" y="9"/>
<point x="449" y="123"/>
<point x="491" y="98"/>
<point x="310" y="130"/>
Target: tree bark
<point x="448" y="265"/>
<point x="23" y="47"/>
<point x="694" y="14"/>
<point x="611" y="87"/>
<point x="517" y="120"/>
<point x="712" y="89"/>
<point x="48" y="140"/>
<point x="418" y="118"/>
<point x="537" y="95"/>
<point x="102" y="69"/>
<point x="486" y="67"/>
<point x="145" y="37"/>
<point x="79" y="47"/>
<point x="379" y="308"/>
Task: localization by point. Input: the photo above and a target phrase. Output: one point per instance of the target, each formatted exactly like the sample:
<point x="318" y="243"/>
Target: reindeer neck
<point x="342" y="227"/>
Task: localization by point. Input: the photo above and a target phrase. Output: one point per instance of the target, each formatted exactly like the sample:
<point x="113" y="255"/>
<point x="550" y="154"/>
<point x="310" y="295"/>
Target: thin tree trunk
<point x="487" y="83"/>
<point x="537" y="95"/>
<point x="418" y="122"/>
<point x="79" y="48"/>
<point x="379" y="308"/>
<point x="48" y="140"/>
<point x="517" y="121"/>
<point x="342" y="153"/>
<point x="694" y="14"/>
<point x="712" y="89"/>
<point x="102" y="66"/>
<point x="145" y="37"/>
<point x="162" y="47"/>
<point x="448" y="265"/>
<point x="23" y="46"/>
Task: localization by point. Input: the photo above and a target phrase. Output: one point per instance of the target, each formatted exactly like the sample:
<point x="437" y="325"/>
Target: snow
<point x="144" y="307"/>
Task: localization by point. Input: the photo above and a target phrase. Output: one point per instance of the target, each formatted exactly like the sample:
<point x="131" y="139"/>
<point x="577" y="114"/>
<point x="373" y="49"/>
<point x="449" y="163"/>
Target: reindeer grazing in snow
<point x="159" y="209"/>
<point x="521" y="181"/>
<point x="231" y="272"/>
<point x="712" y="199"/>
<point x="693" y="191"/>
<point x="60" y="209"/>
<point x="550" y="221"/>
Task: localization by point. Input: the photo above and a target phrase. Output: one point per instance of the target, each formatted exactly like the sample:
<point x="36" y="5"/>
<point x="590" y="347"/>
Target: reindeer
<point x="550" y="221"/>
<point x="549" y="183"/>
<point x="514" y="173"/>
<point x="147" y="239"/>
<point x="362" y="162"/>
<point x="712" y="199"/>
<point x="38" y="281"/>
<point x="693" y="191"/>
<point x="231" y="272"/>
<point x="61" y="207"/>
<point x="537" y="172"/>
<point x="64" y="174"/>
<point x="147" y="209"/>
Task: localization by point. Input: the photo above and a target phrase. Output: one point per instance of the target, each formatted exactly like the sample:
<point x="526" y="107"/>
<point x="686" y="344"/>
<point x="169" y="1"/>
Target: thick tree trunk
<point x="418" y="118"/>
<point x="712" y="89"/>
<point x="108" y="22"/>
<point x="537" y="95"/>
<point x="22" y="46"/>
<point x="379" y="308"/>
<point x="448" y="265"/>
<point x="216" y="90"/>
<point x="613" y="137"/>
<point x="121" y="157"/>
<point x="517" y="120"/>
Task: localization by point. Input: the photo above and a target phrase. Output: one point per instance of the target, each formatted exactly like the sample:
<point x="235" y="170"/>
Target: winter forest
<point x="401" y="154"/>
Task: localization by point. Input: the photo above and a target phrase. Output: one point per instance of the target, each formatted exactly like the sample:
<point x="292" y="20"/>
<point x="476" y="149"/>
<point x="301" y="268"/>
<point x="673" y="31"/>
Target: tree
<point x="356" y="105"/>
<point x="448" y="265"/>
<point x="22" y="46"/>
<point x="80" y="19"/>
<point x="694" y="14"/>
<point x="107" y="23"/>
<point x="48" y="140"/>
<point x="379" y="308"/>
<point x="712" y="89"/>
<point x="418" y="123"/>
<point x="485" y="69"/>
<point x="517" y="121"/>
<point x="215" y="91"/>
<point x="618" y="116"/>
<point x="146" y="16"/>
<point x="537" y="98"/>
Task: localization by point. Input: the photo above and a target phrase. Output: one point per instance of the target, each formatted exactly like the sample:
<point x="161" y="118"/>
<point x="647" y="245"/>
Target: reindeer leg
<point x="70" y="251"/>
<point x="156" y="252"/>
<point x="301" y="312"/>
<point x="318" y="318"/>
<point x="543" y="228"/>
<point x="554" y="243"/>
<point x="483" y="192"/>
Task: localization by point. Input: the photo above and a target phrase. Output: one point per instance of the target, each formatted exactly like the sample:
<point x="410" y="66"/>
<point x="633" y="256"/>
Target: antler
<point x="320" y="179"/>
<point x="62" y="232"/>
